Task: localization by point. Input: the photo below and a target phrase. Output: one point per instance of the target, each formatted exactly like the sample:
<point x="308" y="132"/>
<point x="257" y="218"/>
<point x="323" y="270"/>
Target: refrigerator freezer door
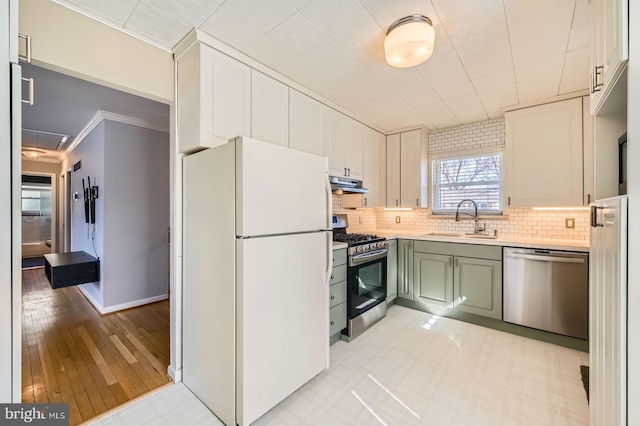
<point x="279" y="190"/>
<point x="282" y="318"/>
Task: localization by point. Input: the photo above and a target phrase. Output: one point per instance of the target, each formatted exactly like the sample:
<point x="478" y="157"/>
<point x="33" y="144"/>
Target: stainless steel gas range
<point x="366" y="277"/>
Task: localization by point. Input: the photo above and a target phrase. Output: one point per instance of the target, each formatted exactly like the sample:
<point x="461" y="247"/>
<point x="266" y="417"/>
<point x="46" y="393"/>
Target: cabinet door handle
<point x="349" y="171"/>
<point x="396" y="202"/>
<point x="31" y="90"/>
<point x="456" y="262"/>
<point x="365" y="202"/>
<point x="333" y="297"/>
<point x="27" y="57"/>
<point x="333" y="323"/>
<point x="417" y="202"/>
<point x="588" y="198"/>
<point x="332" y="276"/>
<point x="508" y="201"/>
<point x="598" y="73"/>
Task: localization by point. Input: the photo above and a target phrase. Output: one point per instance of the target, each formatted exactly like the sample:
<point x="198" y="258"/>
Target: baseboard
<point x="128" y="305"/>
<point x="176" y="375"/>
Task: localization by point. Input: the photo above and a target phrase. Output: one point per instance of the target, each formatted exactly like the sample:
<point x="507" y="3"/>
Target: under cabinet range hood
<point x="341" y="185"/>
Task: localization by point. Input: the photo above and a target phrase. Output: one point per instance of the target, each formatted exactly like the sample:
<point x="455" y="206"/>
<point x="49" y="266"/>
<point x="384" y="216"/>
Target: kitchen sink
<point x="444" y="234"/>
<point x="481" y="236"/>
<point x="458" y="235"/>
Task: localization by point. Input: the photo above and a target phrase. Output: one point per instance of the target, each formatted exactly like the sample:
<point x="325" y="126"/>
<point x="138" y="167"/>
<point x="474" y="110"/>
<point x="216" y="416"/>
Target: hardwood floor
<point x="94" y="363"/>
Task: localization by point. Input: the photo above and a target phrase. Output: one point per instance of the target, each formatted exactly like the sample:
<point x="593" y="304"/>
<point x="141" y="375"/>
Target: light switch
<point x="570" y="223"/>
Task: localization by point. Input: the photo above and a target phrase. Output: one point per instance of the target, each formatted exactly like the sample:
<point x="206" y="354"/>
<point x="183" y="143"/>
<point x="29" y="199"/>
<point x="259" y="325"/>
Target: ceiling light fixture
<point x="409" y="41"/>
<point x="33" y="153"/>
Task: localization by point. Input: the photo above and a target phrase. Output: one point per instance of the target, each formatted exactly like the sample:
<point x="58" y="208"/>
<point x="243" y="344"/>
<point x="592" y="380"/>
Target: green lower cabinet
<point x="477" y="286"/>
<point x="446" y="276"/>
<point x="392" y="271"/>
<point x="337" y="318"/>
<point x="338" y="295"/>
<point x="405" y="269"/>
<point x="433" y="279"/>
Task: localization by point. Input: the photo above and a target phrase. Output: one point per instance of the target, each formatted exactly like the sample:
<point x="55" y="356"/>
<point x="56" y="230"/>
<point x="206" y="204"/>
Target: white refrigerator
<point x="608" y="312"/>
<point x="257" y="261"/>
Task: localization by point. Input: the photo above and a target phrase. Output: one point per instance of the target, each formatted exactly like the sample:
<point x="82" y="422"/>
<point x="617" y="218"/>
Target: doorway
<point x="38" y="199"/>
<point x="79" y="346"/>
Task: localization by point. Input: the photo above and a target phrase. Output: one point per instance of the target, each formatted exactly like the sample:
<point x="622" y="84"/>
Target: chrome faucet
<point x="476" y="228"/>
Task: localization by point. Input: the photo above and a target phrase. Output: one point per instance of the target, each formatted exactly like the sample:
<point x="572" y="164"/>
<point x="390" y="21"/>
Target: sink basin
<point x="444" y="234"/>
<point x="485" y="237"/>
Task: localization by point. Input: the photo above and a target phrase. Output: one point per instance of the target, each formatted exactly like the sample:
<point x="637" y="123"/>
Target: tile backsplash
<point x="516" y="222"/>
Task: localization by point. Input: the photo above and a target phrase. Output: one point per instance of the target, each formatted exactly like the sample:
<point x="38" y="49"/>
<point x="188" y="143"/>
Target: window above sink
<point x="476" y="176"/>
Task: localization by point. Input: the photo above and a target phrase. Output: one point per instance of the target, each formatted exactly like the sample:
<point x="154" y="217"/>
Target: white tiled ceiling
<point x="489" y="53"/>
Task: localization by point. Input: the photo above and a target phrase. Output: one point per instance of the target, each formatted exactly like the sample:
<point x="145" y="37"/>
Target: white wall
<point x="91" y="152"/>
<point x="130" y="165"/>
<point x="136" y="221"/>
<point x="68" y="41"/>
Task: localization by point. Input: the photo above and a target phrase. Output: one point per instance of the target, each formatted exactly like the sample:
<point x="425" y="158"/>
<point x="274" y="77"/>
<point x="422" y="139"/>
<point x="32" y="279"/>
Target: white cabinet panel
<point x="410" y="182"/>
<point x="375" y="169"/>
<point x="354" y="147"/>
<point x="544" y="155"/>
<point x="306" y="124"/>
<point x="407" y="169"/>
<point x="588" y="150"/>
<point x="344" y="138"/>
<point x="609" y="47"/>
<point x="214" y="98"/>
<point x="335" y="136"/>
<point x="269" y="109"/>
<point x="393" y="170"/>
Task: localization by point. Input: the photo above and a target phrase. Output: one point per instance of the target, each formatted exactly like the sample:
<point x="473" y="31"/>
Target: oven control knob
<point x="360" y="249"/>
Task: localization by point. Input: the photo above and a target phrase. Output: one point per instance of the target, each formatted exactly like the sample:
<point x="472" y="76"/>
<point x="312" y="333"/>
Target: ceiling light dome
<point x="409" y="41"/>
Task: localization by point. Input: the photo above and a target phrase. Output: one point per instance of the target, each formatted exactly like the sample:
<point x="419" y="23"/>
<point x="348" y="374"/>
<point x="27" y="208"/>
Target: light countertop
<point x="337" y="245"/>
<point x="506" y="241"/>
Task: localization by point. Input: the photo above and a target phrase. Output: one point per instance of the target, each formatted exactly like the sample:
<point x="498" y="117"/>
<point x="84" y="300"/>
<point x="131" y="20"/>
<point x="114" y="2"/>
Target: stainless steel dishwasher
<point x="547" y="290"/>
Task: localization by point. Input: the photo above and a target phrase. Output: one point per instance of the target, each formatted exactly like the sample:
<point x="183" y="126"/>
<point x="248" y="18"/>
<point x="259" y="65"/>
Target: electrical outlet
<point x="359" y="219"/>
<point x="397" y="219"/>
<point x="570" y="223"/>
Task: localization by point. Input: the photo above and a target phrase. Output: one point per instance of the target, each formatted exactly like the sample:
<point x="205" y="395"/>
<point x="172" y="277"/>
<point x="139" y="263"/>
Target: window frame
<point x="478" y="152"/>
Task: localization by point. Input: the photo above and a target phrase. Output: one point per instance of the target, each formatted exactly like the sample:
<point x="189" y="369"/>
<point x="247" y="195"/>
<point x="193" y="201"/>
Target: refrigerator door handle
<point x="594" y="216"/>
<point x="329" y="201"/>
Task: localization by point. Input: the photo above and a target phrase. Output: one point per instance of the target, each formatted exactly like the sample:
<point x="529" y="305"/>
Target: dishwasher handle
<point x="546" y="258"/>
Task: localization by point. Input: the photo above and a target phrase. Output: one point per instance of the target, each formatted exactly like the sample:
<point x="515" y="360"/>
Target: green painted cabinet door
<point x="433" y="279"/>
<point x="478" y="286"/>
<point x="392" y="271"/>
<point x="405" y="269"/>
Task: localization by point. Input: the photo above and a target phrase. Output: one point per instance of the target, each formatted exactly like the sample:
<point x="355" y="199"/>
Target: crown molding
<point x="100" y="116"/>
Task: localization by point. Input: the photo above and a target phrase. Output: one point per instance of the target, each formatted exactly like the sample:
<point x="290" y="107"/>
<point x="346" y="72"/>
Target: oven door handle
<point x="368" y="257"/>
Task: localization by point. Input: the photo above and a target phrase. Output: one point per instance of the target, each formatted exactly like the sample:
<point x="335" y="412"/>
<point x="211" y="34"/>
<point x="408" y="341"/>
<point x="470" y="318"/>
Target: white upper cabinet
<point x="375" y="169"/>
<point x="306" y="124"/>
<point x="407" y="181"/>
<point x="544" y="165"/>
<point x="269" y="109"/>
<point x="213" y="98"/>
<point x="344" y="138"/>
<point x="609" y="47"/>
<point x="374" y="173"/>
<point x="356" y="136"/>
